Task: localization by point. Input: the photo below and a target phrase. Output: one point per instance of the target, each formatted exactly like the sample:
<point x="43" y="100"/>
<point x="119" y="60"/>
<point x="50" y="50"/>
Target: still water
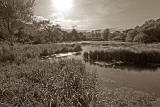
<point x="141" y="79"/>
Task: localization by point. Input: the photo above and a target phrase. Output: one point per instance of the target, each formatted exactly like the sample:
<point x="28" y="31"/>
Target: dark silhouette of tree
<point x="82" y="36"/>
<point x="106" y="34"/>
<point x="74" y="35"/>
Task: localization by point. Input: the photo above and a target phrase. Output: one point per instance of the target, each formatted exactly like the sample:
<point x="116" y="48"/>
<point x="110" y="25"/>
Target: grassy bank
<point x="20" y="53"/>
<point x="27" y="81"/>
<point x="125" y="55"/>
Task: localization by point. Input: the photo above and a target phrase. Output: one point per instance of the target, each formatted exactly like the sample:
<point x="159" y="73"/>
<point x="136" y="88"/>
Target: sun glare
<point x="63" y="5"/>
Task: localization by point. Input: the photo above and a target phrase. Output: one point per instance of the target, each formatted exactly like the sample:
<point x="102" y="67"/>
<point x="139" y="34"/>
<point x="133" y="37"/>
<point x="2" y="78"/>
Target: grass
<point x="44" y="84"/>
<point x="62" y="83"/>
<point x="126" y="55"/>
<point x="6" y="54"/>
<point x="28" y="81"/>
<point x="21" y="53"/>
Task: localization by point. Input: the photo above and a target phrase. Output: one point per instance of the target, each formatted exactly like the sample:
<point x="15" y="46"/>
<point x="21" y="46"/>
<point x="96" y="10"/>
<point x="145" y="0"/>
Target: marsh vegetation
<point x="35" y="73"/>
<point x="27" y="80"/>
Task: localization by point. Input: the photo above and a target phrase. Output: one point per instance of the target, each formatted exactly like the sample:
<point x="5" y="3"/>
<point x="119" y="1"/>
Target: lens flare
<point x="63" y="5"/>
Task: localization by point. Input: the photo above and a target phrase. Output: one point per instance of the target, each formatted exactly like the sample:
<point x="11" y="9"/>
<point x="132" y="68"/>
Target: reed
<point x="125" y="55"/>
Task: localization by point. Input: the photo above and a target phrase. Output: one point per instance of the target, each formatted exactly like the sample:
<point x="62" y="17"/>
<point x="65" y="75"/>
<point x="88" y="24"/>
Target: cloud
<point x="59" y="18"/>
<point x="97" y="14"/>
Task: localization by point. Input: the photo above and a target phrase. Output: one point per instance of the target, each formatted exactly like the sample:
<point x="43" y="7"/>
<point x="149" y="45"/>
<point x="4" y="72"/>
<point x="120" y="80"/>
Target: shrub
<point x="85" y="56"/>
<point x="77" y="48"/>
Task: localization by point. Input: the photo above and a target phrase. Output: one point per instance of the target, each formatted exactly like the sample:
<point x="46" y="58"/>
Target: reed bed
<point x="125" y="55"/>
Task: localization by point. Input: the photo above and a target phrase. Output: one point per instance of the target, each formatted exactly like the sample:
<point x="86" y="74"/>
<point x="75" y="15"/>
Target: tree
<point x="82" y="36"/>
<point x="130" y="35"/>
<point x="52" y="33"/>
<point x="14" y="10"/>
<point x="106" y="34"/>
<point x="46" y="27"/>
<point x="118" y="36"/>
<point x="74" y="35"/>
<point x="141" y="38"/>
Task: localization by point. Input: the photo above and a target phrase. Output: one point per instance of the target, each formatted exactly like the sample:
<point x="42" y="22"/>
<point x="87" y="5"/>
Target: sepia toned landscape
<point x="79" y="53"/>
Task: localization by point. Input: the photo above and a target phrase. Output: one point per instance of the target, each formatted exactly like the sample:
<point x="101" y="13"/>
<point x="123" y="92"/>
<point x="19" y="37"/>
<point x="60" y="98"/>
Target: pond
<point x="144" y="79"/>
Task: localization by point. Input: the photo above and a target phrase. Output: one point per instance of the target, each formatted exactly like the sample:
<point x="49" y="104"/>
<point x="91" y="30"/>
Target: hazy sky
<point x="97" y="14"/>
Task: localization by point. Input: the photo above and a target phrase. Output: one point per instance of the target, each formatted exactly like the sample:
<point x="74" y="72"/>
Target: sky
<point x="98" y="14"/>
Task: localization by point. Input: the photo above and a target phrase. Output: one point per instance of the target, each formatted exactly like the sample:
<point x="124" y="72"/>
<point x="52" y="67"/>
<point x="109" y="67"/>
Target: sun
<point x="63" y="5"/>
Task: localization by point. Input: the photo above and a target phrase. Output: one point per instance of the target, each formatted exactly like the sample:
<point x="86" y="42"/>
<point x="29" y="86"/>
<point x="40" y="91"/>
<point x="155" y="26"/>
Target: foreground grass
<point x="28" y="81"/>
<point x="63" y="83"/>
<point x="44" y="84"/>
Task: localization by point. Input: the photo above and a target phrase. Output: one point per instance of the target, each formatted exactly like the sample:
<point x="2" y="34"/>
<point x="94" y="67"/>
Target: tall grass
<point x="27" y="81"/>
<point x="21" y="53"/>
<point x="6" y="54"/>
<point x="138" y="57"/>
<point x="42" y="84"/>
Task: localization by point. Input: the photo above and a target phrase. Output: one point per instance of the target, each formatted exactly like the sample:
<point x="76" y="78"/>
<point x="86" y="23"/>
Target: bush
<point x="77" y="48"/>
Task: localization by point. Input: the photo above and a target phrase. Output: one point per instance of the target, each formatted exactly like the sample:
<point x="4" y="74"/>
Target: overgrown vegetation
<point x="126" y="56"/>
<point x="29" y="81"/>
<point x="21" y="53"/>
<point x="39" y="84"/>
<point x="26" y="80"/>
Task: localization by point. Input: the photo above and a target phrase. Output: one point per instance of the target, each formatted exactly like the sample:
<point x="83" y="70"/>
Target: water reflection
<point x="144" y="78"/>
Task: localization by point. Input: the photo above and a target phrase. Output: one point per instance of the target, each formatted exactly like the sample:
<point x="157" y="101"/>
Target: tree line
<point x="18" y="24"/>
<point x="149" y="32"/>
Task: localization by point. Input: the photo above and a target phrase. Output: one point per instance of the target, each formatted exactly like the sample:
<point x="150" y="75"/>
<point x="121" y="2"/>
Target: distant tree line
<point x="149" y="32"/>
<point x="47" y="32"/>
